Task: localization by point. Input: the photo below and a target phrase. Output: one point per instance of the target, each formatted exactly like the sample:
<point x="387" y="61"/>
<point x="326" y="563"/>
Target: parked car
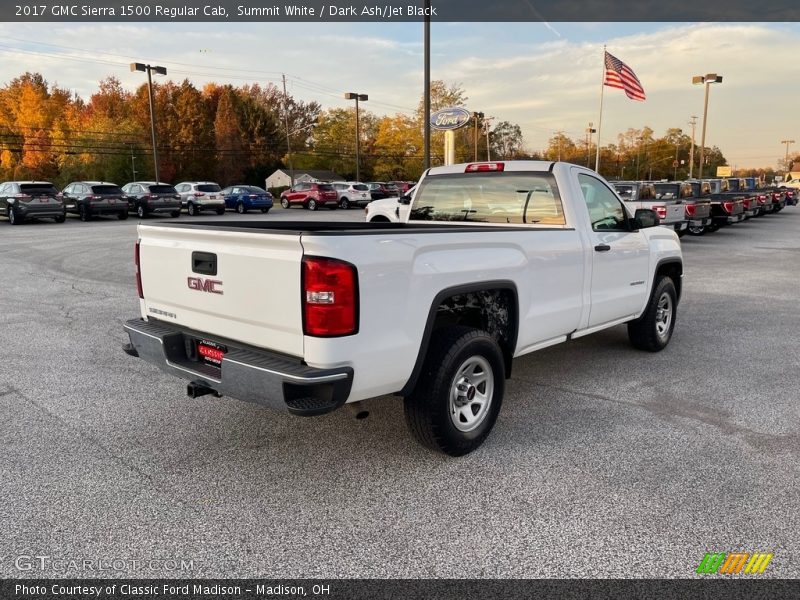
<point x="197" y="196"/>
<point x="310" y="195"/>
<point x="792" y="183"/>
<point x="402" y="186"/>
<point x="147" y="198"/>
<point x="697" y="212"/>
<point x="89" y="199"/>
<point x="643" y="194"/>
<point x="352" y="193"/>
<point x="21" y="200"/>
<point x="433" y="309"/>
<point x="242" y="198"/>
<point x="380" y="190"/>
<point x="390" y="210"/>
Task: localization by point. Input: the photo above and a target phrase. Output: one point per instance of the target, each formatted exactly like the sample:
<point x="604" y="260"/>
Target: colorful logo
<point x="734" y="563"/>
<point x="450" y="118"/>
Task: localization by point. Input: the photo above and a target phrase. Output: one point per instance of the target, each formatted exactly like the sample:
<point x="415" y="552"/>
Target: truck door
<point x="620" y="257"/>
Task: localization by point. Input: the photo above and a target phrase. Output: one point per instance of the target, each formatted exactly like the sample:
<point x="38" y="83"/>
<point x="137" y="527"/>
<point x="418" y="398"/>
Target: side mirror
<point x="644" y="218"/>
<point x="405" y="199"/>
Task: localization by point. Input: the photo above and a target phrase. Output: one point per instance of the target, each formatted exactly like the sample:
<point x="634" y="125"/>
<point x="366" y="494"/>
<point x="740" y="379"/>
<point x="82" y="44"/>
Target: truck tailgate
<point x="242" y="285"/>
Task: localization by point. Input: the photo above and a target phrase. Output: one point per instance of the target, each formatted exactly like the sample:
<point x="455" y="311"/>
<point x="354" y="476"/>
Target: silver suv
<point x="352" y="193"/>
<point x="197" y="196"/>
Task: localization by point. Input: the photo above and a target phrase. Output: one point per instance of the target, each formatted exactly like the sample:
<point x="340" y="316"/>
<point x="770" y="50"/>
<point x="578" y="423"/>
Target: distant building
<point x="282" y="178"/>
<point x="794" y="173"/>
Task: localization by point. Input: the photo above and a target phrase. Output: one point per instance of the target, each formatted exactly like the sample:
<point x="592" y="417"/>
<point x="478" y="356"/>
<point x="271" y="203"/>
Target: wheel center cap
<point x="471" y="392"/>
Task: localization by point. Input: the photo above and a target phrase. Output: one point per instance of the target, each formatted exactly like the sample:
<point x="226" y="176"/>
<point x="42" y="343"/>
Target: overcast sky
<point x="545" y="77"/>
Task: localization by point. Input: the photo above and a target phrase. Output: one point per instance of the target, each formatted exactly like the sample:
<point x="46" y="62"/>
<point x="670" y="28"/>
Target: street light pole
<point x="786" y="158"/>
<point x="476" y="117"/>
<point x="707" y="80"/>
<point x="693" y="123"/>
<point x="363" y="98"/>
<point x="589" y="132"/>
<point x="160" y="71"/>
<point x="426" y="93"/>
<point x="286" y="124"/>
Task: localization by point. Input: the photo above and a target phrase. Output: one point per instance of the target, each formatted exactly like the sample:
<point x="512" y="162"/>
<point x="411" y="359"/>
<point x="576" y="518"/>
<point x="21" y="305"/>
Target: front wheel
<point x="459" y="393"/>
<point x="653" y="330"/>
<point x="13" y="218"/>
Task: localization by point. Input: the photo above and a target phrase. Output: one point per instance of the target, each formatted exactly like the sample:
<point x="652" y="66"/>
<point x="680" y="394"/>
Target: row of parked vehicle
<point x="699" y="207"/>
<point x="22" y="200"/>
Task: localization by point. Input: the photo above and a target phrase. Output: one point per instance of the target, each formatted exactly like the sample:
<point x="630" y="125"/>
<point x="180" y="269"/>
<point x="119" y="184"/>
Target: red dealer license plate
<point x="211" y="352"/>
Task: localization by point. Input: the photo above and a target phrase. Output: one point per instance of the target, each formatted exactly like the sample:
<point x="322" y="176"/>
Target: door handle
<point x="602" y="248"/>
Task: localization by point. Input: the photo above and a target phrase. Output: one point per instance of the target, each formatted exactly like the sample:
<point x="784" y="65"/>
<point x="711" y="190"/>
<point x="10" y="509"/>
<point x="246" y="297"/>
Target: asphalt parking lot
<point x="605" y="461"/>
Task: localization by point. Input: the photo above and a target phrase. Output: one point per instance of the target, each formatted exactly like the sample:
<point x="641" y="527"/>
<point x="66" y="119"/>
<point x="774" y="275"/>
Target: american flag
<point x="619" y="75"/>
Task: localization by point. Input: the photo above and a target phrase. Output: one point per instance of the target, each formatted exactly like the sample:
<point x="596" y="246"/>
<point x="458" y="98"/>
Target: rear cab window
<point x="38" y="189"/>
<point x="515" y="197"/>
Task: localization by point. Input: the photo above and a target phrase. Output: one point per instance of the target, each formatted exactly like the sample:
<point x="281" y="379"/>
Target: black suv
<point x="148" y="197"/>
<point x="20" y="200"/>
<point x="89" y="199"/>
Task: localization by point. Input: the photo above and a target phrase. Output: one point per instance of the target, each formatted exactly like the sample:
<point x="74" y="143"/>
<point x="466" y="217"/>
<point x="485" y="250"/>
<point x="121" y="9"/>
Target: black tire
<point x="379" y="219"/>
<point x="653" y="330"/>
<point x="712" y="227"/>
<point x="344" y="203"/>
<point x="60" y="218"/>
<point x="122" y="216"/>
<point x="311" y="204"/>
<point x="192" y="210"/>
<point x="220" y="211"/>
<point x="83" y="213"/>
<point x="432" y="408"/>
<point x="333" y="206"/>
<point x="13" y="217"/>
<point x="141" y="212"/>
<point x="284" y="203"/>
<point x="265" y="210"/>
<point x="240" y="208"/>
<point x="681" y="233"/>
<point x="698" y="230"/>
<point x="175" y="214"/>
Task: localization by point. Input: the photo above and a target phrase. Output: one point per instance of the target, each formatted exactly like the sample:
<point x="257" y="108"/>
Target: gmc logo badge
<point x="204" y="285"/>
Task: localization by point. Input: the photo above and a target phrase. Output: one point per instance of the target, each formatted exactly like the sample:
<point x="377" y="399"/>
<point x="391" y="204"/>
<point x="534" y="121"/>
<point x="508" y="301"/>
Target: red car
<point x="311" y="196"/>
<point x="402" y="186"/>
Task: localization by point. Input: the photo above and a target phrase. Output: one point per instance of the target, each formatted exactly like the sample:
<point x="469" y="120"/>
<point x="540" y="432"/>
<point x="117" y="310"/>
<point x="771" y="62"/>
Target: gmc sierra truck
<point x="494" y="261"/>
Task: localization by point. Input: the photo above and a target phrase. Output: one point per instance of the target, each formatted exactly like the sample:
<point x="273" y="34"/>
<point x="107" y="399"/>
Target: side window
<point x="605" y="210"/>
<point x="646" y="192"/>
<point x="3" y="188"/>
<point x="67" y="190"/>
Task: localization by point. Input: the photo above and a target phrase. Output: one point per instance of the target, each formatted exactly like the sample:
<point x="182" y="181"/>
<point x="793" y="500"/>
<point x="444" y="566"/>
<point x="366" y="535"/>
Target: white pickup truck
<point x="495" y="261"/>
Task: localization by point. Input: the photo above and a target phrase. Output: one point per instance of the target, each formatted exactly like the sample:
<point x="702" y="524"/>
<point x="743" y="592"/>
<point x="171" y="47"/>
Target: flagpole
<point x="600" y="120"/>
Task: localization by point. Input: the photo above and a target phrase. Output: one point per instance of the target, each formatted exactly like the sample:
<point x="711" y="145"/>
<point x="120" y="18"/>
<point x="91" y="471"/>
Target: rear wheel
<point x="344" y="203"/>
<point x="653" y="330"/>
<point x="83" y="213"/>
<point x="140" y="212"/>
<point x="459" y="393"/>
<point x="60" y="218"/>
<point x="696" y="229"/>
<point x="240" y="208"/>
<point x="311" y="204"/>
<point x="284" y="203"/>
<point x="265" y="210"/>
<point x="192" y="210"/>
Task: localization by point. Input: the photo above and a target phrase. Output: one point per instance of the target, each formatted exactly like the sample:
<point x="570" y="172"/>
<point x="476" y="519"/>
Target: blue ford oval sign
<point x="450" y="118"/>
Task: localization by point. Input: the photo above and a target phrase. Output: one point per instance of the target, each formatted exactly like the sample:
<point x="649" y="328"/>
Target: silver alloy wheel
<point x="140" y="211"/>
<point x="12" y="215"/>
<point x="663" y="316"/>
<point x="471" y="393"/>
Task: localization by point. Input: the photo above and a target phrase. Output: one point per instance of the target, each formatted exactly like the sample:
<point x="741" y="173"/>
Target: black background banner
<point x="400" y="10"/>
<point x="711" y="588"/>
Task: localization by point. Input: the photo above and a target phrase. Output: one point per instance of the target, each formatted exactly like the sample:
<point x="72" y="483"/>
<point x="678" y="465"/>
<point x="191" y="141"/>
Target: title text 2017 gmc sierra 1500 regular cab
<point x="495" y="260"/>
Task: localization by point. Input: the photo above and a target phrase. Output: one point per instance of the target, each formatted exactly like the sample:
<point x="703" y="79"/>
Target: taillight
<point x="198" y="194"/>
<point x="661" y="212"/>
<point x="482" y="167"/>
<point x="21" y="196"/>
<point x="728" y="206"/>
<point x="689" y="210"/>
<point x="330" y="297"/>
<point x="762" y="199"/>
<point x="138" y="270"/>
<point x="776" y="196"/>
<point x="253" y="196"/>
